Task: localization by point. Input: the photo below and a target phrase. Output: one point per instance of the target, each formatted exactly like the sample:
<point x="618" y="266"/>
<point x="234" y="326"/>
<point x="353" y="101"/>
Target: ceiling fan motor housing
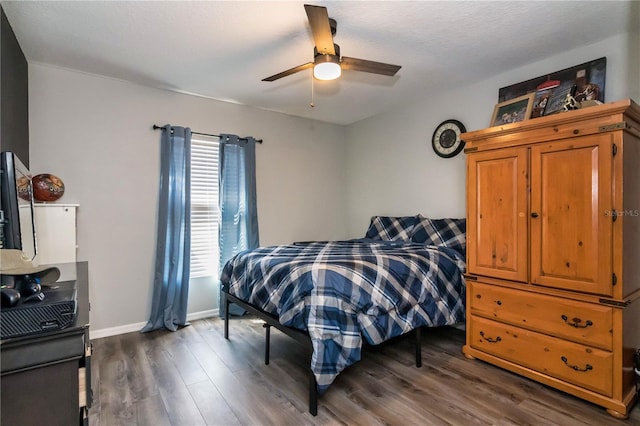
<point x="316" y="54"/>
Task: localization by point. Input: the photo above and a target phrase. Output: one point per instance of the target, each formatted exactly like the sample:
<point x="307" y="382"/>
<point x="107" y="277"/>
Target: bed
<point x="334" y="296"/>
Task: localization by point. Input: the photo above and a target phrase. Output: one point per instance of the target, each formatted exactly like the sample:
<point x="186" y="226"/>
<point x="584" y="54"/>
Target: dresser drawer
<point x="581" y="365"/>
<point x="580" y="322"/>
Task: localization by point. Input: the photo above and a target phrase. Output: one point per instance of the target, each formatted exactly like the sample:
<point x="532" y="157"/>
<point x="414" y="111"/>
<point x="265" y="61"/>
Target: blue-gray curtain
<point x="173" y="250"/>
<point x="238" y="207"/>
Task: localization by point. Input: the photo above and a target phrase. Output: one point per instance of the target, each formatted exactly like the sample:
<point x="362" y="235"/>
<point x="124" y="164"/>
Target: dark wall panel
<point x="14" y="94"/>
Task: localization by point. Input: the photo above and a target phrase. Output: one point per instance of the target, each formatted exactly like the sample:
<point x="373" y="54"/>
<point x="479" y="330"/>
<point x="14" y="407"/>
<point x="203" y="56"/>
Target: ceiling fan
<point x="327" y="63"/>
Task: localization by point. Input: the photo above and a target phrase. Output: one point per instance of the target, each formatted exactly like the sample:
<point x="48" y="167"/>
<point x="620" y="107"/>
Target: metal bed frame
<point x="298" y="335"/>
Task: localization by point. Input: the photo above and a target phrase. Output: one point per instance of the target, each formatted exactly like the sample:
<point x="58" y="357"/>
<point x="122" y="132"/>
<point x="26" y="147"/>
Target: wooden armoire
<point x="553" y="250"/>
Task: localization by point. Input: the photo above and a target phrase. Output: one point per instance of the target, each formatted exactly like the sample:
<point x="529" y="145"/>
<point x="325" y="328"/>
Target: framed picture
<point x="540" y="101"/>
<point x="557" y="99"/>
<point x="588" y="80"/>
<point x="513" y="110"/>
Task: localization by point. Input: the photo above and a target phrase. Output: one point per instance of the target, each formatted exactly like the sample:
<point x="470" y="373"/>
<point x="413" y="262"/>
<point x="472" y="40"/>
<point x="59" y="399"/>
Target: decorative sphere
<point x="47" y="187"/>
<point x="24" y="188"/>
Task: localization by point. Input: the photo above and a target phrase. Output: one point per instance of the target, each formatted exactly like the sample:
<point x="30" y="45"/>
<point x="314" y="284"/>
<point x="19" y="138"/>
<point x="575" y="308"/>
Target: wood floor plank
<point x="182" y="358"/>
<point x="562" y="407"/>
<point x="151" y="412"/>
<point x="196" y="376"/>
<point x="234" y="393"/>
<point x="212" y="405"/>
<point x="440" y="383"/>
<point x="269" y="400"/>
<point x="442" y="401"/>
<point x="296" y="390"/>
<point x="115" y="397"/>
<point x="232" y="352"/>
<point x="142" y="384"/>
<point x="177" y="400"/>
<point x="390" y="409"/>
<point x="341" y="406"/>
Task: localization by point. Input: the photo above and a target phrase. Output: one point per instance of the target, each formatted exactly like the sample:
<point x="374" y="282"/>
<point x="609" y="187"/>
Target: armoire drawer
<point x="578" y="364"/>
<point x="580" y="322"/>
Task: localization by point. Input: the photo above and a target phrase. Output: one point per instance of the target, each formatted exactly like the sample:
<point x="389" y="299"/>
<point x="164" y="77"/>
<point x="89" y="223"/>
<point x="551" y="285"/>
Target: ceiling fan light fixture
<point x="326" y="67"/>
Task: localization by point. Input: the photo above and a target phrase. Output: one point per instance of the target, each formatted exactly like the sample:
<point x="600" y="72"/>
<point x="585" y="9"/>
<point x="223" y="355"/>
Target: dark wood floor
<point x="196" y="377"/>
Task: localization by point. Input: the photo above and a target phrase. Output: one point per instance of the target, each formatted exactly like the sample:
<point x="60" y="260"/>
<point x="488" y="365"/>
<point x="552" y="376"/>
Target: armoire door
<point x="571" y="233"/>
<point x="497" y="240"/>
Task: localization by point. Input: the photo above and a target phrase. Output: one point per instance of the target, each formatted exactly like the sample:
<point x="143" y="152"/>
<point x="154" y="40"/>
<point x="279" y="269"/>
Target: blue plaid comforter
<point x="342" y="292"/>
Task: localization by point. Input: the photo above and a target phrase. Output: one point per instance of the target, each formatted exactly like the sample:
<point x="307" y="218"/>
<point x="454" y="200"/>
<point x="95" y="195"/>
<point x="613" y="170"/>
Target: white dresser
<point x="55" y="233"/>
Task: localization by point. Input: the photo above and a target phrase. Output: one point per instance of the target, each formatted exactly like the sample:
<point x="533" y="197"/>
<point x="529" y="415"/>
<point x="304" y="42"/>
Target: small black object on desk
<point x="10" y="297"/>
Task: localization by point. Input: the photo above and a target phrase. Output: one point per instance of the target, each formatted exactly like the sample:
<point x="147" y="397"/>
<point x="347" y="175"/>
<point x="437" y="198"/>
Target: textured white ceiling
<point x="222" y="49"/>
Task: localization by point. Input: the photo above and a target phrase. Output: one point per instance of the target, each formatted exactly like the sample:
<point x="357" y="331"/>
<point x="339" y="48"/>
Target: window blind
<point x="205" y="253"/>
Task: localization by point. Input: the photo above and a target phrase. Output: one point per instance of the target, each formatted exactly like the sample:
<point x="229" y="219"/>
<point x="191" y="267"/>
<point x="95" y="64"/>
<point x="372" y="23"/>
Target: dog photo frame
<point x="513" y="110"/>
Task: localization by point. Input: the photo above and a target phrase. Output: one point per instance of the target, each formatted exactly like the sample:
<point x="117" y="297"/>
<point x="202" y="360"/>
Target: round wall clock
<point x="446" y="140"/>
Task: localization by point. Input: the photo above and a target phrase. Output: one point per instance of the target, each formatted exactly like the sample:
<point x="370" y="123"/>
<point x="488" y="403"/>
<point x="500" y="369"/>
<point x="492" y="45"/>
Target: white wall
<point x="95" y="133"/>
<point x="392" y="167"/>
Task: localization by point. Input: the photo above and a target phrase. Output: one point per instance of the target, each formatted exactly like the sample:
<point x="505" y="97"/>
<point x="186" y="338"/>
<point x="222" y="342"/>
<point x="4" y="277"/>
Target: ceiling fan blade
<point x="289" y="72"/>
<point x="321" y="29"/>
<point x="368" y="66"/>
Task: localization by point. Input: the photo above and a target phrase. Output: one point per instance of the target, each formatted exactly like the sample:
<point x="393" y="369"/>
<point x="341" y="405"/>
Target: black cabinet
<point x="46" y="377"/>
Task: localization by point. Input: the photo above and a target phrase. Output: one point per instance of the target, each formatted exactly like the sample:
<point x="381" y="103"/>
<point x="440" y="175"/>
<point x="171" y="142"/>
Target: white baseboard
<point x="112" y="331"/>
<point x="203" y="314"/>
<point x="129" y="328"/>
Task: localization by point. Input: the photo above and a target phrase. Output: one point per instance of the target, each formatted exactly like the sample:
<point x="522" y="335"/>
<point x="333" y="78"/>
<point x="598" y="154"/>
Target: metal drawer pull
<point x="489" y="339"/>
<point x="577" y="322"/>
<point x="575" y="367"/>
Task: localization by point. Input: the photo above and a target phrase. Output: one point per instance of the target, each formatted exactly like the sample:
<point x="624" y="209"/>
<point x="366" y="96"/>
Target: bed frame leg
<point x="418" y="348"/>
<point x="313" y="394"/>
<point x="267" y="343"/>
<point x="226" y="316"/>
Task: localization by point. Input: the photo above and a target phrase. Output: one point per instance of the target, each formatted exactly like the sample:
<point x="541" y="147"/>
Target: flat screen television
<point x="16" y="209"/>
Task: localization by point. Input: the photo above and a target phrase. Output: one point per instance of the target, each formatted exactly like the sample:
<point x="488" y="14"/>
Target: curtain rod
<point x="156" y="127"/>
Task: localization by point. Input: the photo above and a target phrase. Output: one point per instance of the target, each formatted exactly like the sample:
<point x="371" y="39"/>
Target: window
<point x="205" y="253"/>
